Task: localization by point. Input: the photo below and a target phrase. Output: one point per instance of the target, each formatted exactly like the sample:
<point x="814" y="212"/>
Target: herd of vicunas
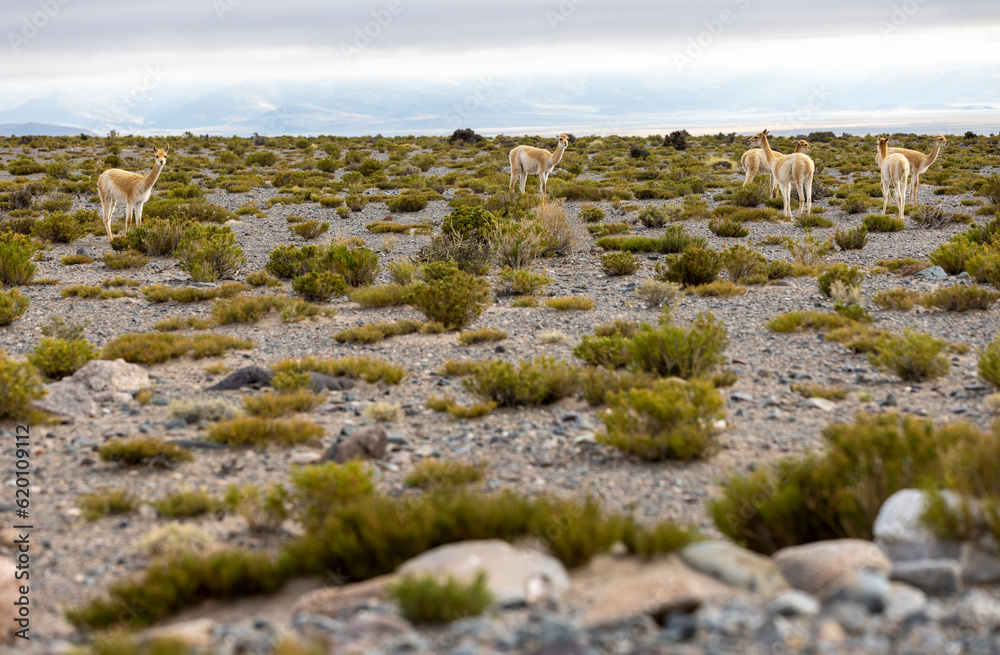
<point x="900" y="168"/>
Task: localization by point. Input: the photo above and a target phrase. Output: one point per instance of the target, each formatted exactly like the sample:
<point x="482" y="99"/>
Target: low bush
<point x="695" y="266"/>
<point x="20" y="386"/>
<point x="443" y="474"/>
<point x="482" y="335"/>
<point x="853" y="239"/>
<point x="960" y="298"/>
<point x="57" y="227"/>
<point x="847" y="275"/>
<point x="656" y="293"/>
<point x="676" y="351"/>
<point x="275" y="405"/>
<point x="155" y="347"/>
<point x="520" y="282"/>
<point x="310" y="229"/>
<point x="16" y="253"/>
<point x="195" y="411"/>
<point x="375" y="332"/>
<point x="914" y="357"/>
<point x="619" y="263"/>
<point x="162" y="293"/>
<point x="883" y="223"/>
<point x="450" y="296"/>
<point x="728" y="228"/>
<point x="369" y="369"/>
<point x="800" y="320"/>
<point x="810" y="221"/>
<point x="320" y="286"/>
<point x="13" y="305"/>
<point x="406" y="202"/>
<point x="75" y="260"/>
<point x="953" y="254"/>
<point x="570" y="303"/>
<point x="57" y="358"/>
<point x="458" y="410"/>
<point x="428" y="599"/>
<point x="262" y="432"/>
<point x="539" y="382"/>
<point x="654" y="216"/>
<point x="357" y="264"/>
<point x="856" y="203"/>
<point x="751" y="195"/>
<point x="719" y="288"/>
<point x="591" y="213"/>
<point x="740" y="263"/>
<point x="187" y="503"/>
<point x="475" y="256"/>
<point x="899" y="298"/>
<point x="89" y="291"/>
<point x="817" y="391"/>
<point x="989" y="362"/>
<point x="145" y="451"/>
<point x="157" y="237"/>
<point x="98" y="504"/>
<point x="670" y="420"/>
<point x="382" y="295"/>
<point x="244" y="309"/>
<point x="262" y="279"/>
<point x="209" y="253"/>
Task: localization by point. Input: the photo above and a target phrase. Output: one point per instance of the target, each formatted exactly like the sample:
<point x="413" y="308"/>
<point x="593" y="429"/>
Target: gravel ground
<point x="549" y="449"/>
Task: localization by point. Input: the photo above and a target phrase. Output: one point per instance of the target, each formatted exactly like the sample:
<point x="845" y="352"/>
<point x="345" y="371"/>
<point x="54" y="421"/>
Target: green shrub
<point x="16" y="253"/>
<point x="108" y="501"/>
<point x="263" y="510"/>
<point x="520" y="282"/>
<point x="88" y="291"/>
<point x="989" y="362"/>
<point x="719" y="288"/>
<point x="57" y="227"/>
<point x="261" y="158"/>
<point x="275" y="405"/>
<point x="357" y="264"/>
<point x="695" y="266"/>
<point x="810" y="221"/>
<point x="187" y="503"/>
<point x="443" y="474"/>
<point x="58" y="328"/>
<point x="674" y="351"/>
<point x="310" y="229"/>
<point x="153" y="347"/>
<point x="242" y="309"/>
<point x="162" y="293"/>
<point x="375" y="332"/>
<point x="656" y="293"/>
<point x="960" y="298"/>
<point x="619" y="263"/>
<point x="670" y="420"/>
<point x="57" y="358"/>
<point x="368" y="369"/>
<point x="836" y="495"/>
<point x="126" y="259"/>
<point x="20" y="385"/>
<point x="853" y="239"/>
<point x="406" y="202"/>
<point x="146" y="451"/>
<point x="751" y="195"/>
<point x="382" y="295"/>
<point x="914" y="357"/>
<point x="740" y="262"/>
<point x="570" y="303"/>
<point x="209" y="253"/>
<point x="591" y="213"/>
<point x="261" y="279"/>
<point x="952" y="255"/>
<point x="288" y="261"/>
<point x="482" y="335"/>
<point x="539" y="382"/>
<point x="13" y="305"/>
<point x="855" y="203"/>
<point x="74" y="260"/>
<point x="847" y="275"/>
<point x="898" y="298"/>
<point x="883" y="223"/>
<point x="799" y="320"/>
<point x="261" y="432"/>
<point x="654" y="216"/>
<point x="321" y="286"/>
<point x="450" y="296"/>
<point x="727" y="227"/>
<point x="984" y="265"/>
<point x="427" y="599"/>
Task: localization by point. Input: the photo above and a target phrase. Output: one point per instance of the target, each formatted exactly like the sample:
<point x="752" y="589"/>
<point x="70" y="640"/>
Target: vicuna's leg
<point x="543" y="177"/>
<point x="901" y="194"/>
<point x="513" y="171"/>
<point x="913" y="188"/>
<point x="138" y="214"/>
<point x="113" y="205"/>
<point x="786" y="193"/>
<point x="809" y="195"/>
<point x="750" y="164"/>
<point x="522" y="178"/>
<point x="885" y="194"/>
<point x="802" y="199"/>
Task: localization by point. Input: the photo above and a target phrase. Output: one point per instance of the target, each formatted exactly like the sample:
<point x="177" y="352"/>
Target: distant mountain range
<point x="595" y="105"/>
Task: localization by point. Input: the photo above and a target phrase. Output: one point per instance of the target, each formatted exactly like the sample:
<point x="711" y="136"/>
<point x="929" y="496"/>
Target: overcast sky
<point x="99" y="50"/>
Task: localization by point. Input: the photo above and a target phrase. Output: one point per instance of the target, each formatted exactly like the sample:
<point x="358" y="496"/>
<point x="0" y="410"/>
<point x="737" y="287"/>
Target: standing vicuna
<point x="796" y="167"/>
<point x="528" y="160"/>
<point x="115" y="185"/>
<point x="895" y="170"/>
<point x="753" y="162"/>
<point x="919" y="162"/>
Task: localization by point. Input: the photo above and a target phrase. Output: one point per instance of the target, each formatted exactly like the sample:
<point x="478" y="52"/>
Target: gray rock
<point x="735" y="566"/>
<point x="680" y="626"/>
<point x="852" y="615"/>
<point x="820" y="403"/>
<point x="321" y="382"/>
<point x="794" y="603"/>
<point x="514" y="575"/>
<point x="99" y="380"/>
<point x="937" y="577"/>
<point x="368" y="442"/>
<point x="176" y="424"/>
<point x="978" y="610"/>
<point x="933" y="273"/>
<point x="904" y="601"/>
<point x="814" y="567"/>
<point x="900" y="533"/>
<point x="741" y="396"/>
<point x="980" y="562"/>
<point x="254" y="377"/>
<point x="67" y="399"/>
<point x="870" y="588"/>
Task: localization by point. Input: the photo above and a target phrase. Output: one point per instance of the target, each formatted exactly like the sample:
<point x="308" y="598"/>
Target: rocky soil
<point x="549" y="449"/>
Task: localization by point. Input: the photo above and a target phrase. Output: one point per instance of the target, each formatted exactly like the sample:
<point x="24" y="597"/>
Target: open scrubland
<point x="654" y="356"/>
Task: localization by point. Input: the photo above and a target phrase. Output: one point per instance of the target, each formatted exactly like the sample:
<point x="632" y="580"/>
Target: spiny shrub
<point x="855" y="203"/>
<point x="275" y="405"/>
<point x="989" y="362"/>
<point x="656" y="293"/>
<point x="357" y="264"/>
<point x="719" y="288"/>
<point x="20" y="385"/>
<point x="740" y="262"/>
<point x="402" y="272"/>
<point x="953" y="254"/>
<point x="57" y="227"/>
<point x="619" y="263"/>
<point x="727" y="227"/>
<point x="883" y="223"/>
<point x="162" y="293"/>
<point x="125" y="259"/>
<point x="261" y="432"/>
<point x="74" y="260"/>
<point x="800" y="320"/>
<point x="381" y="295"/>
<point x="591" y="213"/>
<point x="243" y="309"/>
<point x="108" y="501"/>
<point x="155" y="347"/>
<point x="670" y="420"/>
<point x="854" y="239"/>
<point x="287" y="261"/>
<point x="930" y="218"/>
<point x="195" y="411"/>
<point x="539" y="382"/>
<point x="59" y="328"/>
<point x="656" y="215"/>
<point x="751" y="195"/>
<point x="898" y="298"/>
<point x="408" y="201"/>
<point x="16" y="253"/>
<point x="427" y="599"/>
<point x="810" y="221"/>
<point x="13" y="305"/>
<point x="849" y="276"/>
<point x="57" y="358"/>
<point x="520" y="282"/>
<point x="914" y="357"/>
<point x="375" y="332"/>
<point x="984" y="266"/>
<point x="469" y="222"/>
<point x="157" y="237"/>
<point x="209" y="253"/>
<point x="609" y="351"/>
<point x="310" y="229"/>
<point x="369" y="369"/>
<point x="262" y="279"/>
<point x="570" y="303"/>
<point x="960" y="298"/>
<point x="675" y="351"/>
<point x="320" y="286"/>
<point x="187" y="503"/>
<point x="264" y="510"/>
<point x="450" y="296"/>
<point x="146" y="451"/>
<point x="458" y="410"/>
<point x="482" y="335"/>
<point x="696" y="265"/>
<point x="438" y="474"/>
<point x="837" y="494"/>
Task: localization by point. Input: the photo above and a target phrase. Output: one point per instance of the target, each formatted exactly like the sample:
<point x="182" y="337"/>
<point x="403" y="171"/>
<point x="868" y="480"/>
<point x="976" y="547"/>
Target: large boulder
<point x="900" y="533"/>
<point x="814" y="567"/>
<point x="99" y="381"/>
<point x="735" y="566"/>
<point x="369" y="442"/>
<point x="513" y="575"/>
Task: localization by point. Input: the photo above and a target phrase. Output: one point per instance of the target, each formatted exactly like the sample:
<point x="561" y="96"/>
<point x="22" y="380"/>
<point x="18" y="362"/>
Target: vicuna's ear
<point x="166" y="148"/>
<point x="765" y="132"/>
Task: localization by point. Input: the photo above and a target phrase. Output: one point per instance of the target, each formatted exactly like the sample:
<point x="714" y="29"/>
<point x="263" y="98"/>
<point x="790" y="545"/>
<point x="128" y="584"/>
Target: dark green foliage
<point x="855" y="203"/>
<point x="670" y="420"/>
<point x="883" y="223"/>
<point x="837" y="494"/>
<point x="469" y="222"/>
<point x="751" y="195"/>
<point x="358" y="265"/>
<point x="57" y="358"/>
<point x="430" y="600"/>
<point x="57" y="227"/>
<point x="407" y="201"/>
<point x="854" y="239"/>
<point x="989" y="362"/>
<point x="539" y="382"/>
<point x="118" y="261"/>
<point x="209" y="253"/>
<point x="727" y="227"/>
<point x="287" y="261"/>
<point x="674" y="351"/>
<point x="953" y="254"/>
<point x="848" y="275"/>
<point x="695" y="266"/>
<point x="450" y="296"/>
<point x="438" y="474"/>
<point x="740" y="262"/>
<point x="157" y="237"/>
<point x="609" y="351"/>
<point x="320" y="286"/>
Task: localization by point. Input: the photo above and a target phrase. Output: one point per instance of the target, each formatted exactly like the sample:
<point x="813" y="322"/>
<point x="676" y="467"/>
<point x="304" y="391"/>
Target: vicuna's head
<point x="161" y="155"/>
<point x="939" y="139"/>
<point x="563" y="141"/>
<point x="803" y="145"/>
<point x="883" y="143"/>
<point x="758" y="139"/>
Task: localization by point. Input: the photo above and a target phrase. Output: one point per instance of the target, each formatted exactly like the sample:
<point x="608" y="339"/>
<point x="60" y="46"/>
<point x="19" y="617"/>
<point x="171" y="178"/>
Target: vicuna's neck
<point x="150" y="179"/>
<point x="766" y="147"/>
<point x="559" y="153"/>
<point x="935" y="148"/>
<point x="883" y="149"/>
